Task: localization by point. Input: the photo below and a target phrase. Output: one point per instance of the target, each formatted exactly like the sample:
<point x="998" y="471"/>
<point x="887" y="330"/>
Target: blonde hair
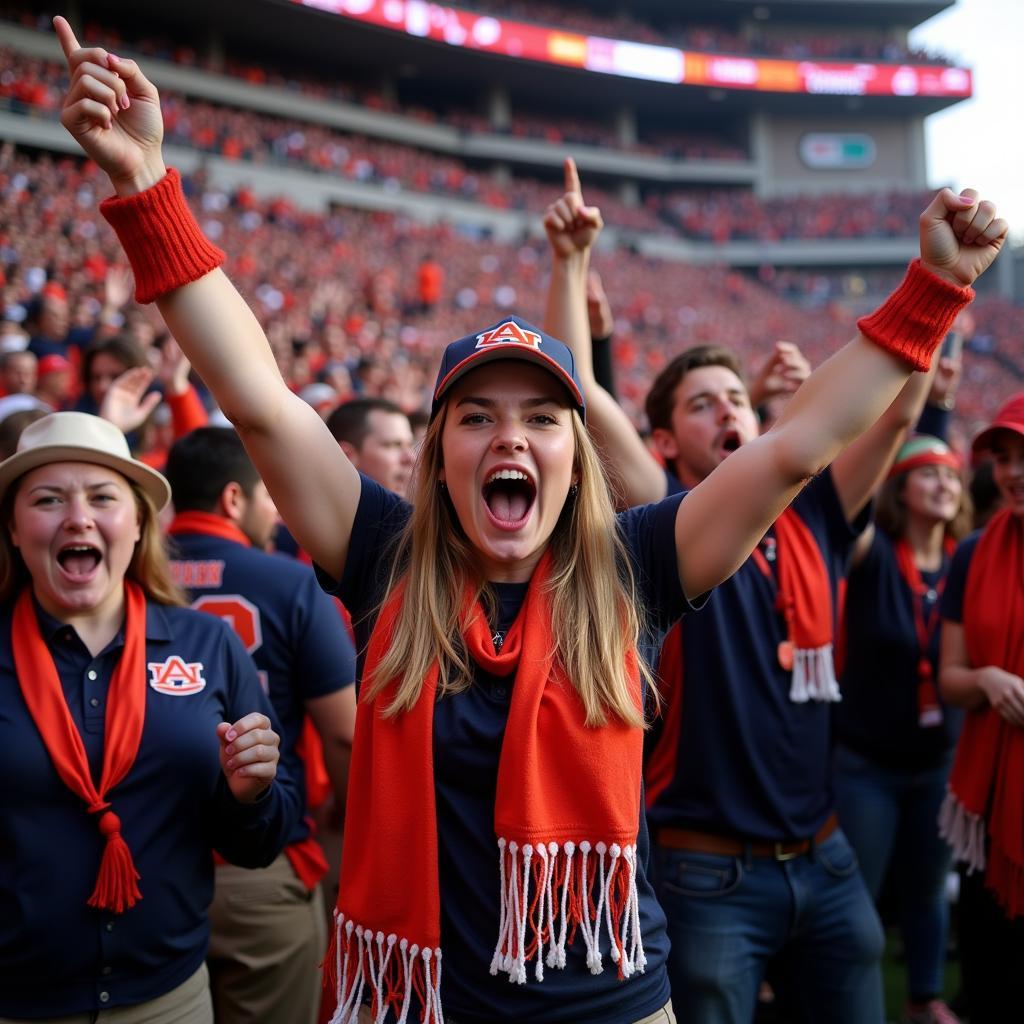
<point x="149" y="566"/>
<point x="594" y="619"/>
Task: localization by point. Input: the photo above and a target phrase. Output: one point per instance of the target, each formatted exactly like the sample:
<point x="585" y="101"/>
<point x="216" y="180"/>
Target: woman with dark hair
<point x="494" y="801"/>
<point x="895" y="735"/>
<point x="982" y="671"/>
<point x="102" y="363"/>
<point x="134" y="740"/>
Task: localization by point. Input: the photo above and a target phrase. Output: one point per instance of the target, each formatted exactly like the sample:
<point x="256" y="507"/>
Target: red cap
<point x="53" y="364"/>
<point x="1009" y="417"/>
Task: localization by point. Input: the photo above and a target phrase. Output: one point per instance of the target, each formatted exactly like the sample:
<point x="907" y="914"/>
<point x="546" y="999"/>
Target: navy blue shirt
<point x="57" y="955"/>
<point x="468" y="732"/>
<point x="750" y="761"/>
<point x="878" y="715"/>
<point x="290" y="627"/>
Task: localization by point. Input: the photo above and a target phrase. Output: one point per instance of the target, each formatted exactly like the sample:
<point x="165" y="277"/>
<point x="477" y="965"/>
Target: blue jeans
<point x="891" y="817"/>
<point x="728" y="915"/>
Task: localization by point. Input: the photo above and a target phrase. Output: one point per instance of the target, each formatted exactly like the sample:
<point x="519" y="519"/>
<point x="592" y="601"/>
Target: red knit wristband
<point x="165" y="246"/>
<point x="912" y="322"/>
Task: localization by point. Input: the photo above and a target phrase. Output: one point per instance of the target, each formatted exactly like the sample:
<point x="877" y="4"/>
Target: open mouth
<point x="509" y="495"/>
<point x="79" y="561"/>
<point x="731" y="440"/>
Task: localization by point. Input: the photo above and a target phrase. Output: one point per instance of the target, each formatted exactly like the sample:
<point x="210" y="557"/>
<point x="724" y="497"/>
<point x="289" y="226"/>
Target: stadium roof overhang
<point x="906" y="13"/>
<point x="347" y="43"/>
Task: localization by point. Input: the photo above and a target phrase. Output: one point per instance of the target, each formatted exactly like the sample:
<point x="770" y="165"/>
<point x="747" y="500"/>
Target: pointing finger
<point x="572" y="177"/>
<point x="66" y="36"/>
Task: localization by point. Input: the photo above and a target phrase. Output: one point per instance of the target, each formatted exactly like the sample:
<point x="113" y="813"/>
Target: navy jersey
<point x="748" y="760"/>
<point x="468" y="732"/>
<point x="878" y="715"/>
<point x="291" y="629"/>
<point x="57" y="955"/>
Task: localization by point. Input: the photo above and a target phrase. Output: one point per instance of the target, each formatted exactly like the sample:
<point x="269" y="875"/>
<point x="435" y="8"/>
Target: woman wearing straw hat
<point x="982" y="670"/>
<point x="895" y="734"/>
<point x="134" y="739"/>
<point x="494" y="812"/>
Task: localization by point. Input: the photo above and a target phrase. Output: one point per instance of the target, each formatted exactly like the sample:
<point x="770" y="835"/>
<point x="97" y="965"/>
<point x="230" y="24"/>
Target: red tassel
<point x="1006" y="880"/>
<point x="116" y="889"/>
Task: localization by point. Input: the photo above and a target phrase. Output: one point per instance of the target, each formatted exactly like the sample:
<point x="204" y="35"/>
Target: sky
<point x="980" y="142"/>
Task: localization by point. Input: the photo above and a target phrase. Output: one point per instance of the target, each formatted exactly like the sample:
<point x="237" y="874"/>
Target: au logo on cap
<point x="508" y="333"/>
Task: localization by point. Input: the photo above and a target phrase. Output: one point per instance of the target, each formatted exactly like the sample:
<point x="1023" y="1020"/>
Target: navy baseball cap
<point x="511" y="338"/>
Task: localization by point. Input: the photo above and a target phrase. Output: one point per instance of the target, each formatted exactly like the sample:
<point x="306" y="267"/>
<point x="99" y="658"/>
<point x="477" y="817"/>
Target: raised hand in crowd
<point x="128" y="402"/>
<point x="780" y="374"/>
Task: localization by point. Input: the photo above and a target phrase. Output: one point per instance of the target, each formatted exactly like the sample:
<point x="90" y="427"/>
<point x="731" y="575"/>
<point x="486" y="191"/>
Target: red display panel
<point x="483" y="32"/>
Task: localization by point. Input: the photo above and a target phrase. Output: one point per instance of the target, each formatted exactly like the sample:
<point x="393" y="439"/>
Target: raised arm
<point x="725" y="516"/>
<point x="572" y="227"/>
<point x="113" y="112"/>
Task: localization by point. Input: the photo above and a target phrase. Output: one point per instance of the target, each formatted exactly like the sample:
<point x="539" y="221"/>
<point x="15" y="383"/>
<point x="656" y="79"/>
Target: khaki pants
<point x="189" y="1003"/>
<point x="663" y="1016"/>
<point x="267" y="938"/>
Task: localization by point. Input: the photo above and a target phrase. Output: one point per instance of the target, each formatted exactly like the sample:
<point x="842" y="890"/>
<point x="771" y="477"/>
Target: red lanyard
<point x="929" y="707"/>
<point x="925" y="621"/>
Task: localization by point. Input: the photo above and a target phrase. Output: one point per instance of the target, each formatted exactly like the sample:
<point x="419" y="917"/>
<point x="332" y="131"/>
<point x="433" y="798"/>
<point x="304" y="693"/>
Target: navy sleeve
<point x="649" y="533"/>
<point x="324" y="657"/>
<point x="819" y="502"/>
<point x="935" y="421"/>
<point x="951" y="604"/>
<point x="251" y="835"/>
<point x="380" y="518"/>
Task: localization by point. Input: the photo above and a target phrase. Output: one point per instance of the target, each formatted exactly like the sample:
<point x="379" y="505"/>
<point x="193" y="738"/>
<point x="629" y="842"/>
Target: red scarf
<point x="805" y="601"/>
<point x="929" y="706"/>
<point x="566" y="816"/>
<point x="116" y="889"/>
<point x="986" y="786"/>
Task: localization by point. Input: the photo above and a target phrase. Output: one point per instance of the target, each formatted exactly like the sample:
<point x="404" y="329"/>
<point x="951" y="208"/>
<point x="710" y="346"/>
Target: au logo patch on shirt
<point x="176" y="677"/>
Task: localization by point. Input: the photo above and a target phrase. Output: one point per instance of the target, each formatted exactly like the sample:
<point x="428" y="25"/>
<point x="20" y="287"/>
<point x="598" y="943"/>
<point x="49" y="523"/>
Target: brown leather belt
<point x="729" y="846"/>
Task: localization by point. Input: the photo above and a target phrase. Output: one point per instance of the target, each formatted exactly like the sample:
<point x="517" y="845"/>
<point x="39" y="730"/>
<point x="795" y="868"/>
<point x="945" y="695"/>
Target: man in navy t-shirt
<point x="268" y="926"/>
<point x="749" y="862"/>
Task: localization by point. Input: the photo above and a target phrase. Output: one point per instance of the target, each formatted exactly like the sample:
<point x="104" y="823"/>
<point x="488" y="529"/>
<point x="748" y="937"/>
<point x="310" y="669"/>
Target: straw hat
<point x="79" y="437"/>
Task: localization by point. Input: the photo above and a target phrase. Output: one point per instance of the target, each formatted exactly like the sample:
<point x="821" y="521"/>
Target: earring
<point x="573" y="491"/>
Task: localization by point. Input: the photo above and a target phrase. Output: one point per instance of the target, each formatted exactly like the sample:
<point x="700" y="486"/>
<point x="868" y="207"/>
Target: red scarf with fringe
<point x="116" y="883"/>
<point x="566" y="817"/>
<point x="805" y="601"/>
<point x="986" y="786"/>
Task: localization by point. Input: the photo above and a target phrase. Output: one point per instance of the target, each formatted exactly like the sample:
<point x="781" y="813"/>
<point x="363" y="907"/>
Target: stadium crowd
<point x="353" y="320"/>
<point x="246" y="135"/>
<point x="460" y="582"/>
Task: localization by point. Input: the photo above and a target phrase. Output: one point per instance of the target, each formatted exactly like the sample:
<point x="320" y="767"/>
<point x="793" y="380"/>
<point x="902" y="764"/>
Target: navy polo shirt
<point x="57" y="955"/>
<point x="468" y="732"/>
<point x="750" y="761"/>
<point x="878" y="715"/>
<point x="290" y="627"/>
<point x="951" y="605"/>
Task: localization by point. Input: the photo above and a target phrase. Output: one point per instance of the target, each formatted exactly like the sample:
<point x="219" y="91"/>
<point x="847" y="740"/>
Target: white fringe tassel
<point x="814" y="676"/>
<point x="964" y="832"/>
<point x="583" y="883"/>
<point x="372" y="952"/>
